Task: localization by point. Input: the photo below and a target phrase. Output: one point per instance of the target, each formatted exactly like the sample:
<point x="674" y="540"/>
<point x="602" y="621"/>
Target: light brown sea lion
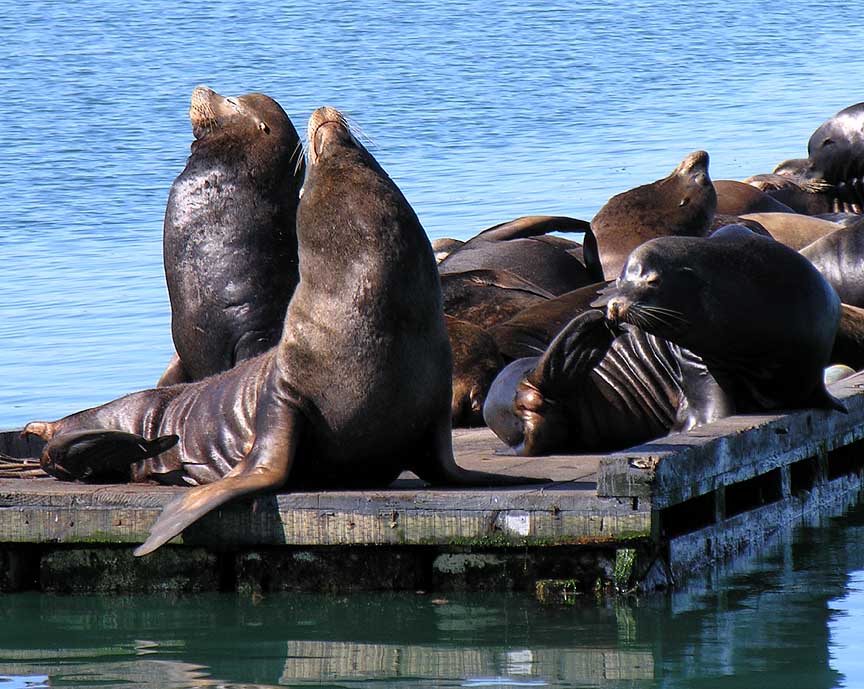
<point x="358" y="387"/>
<point x="793" y="229"/>
<point x="681" y="204"/>
<point x="738" y="198"/>
<point x="230" y="245"/>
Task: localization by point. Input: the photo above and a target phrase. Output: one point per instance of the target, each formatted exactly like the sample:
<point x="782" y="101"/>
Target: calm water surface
<point x="481" y="111"/>
<point x="787" y="618"/>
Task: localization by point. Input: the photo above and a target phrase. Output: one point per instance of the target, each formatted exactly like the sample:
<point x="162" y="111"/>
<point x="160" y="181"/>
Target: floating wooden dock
<point x="642" y="518"/>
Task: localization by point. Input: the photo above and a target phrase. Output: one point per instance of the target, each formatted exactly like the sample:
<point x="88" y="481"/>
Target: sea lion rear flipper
<point x="99" y="455"/>
<point x="439" y="467"/>
<point x="533" y="226"/>
<point x="266" y="467"/>
<point x="574" y="352"/>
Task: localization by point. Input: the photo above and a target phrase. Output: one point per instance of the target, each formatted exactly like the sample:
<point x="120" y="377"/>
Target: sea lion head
<point x="691" y="191"/>
<point x="681" y="204"/>
<point x="328" y="129"/>
<point x="658" y="290"/>
<point x="251" y="118"/>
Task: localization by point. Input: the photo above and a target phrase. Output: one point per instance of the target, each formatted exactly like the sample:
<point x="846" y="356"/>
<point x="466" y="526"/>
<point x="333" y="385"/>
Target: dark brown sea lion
<point x="476" y="362"/>
<point x="358" y="387"/>
<point x="754" y="341"/>
<point x="681" y="204"/>
<point x="798" y="193"/>
<point x="834" y="168"/>
<point x="839" y="256"/>
<point x="529" y="332"/>
<point x="520" y="248"/>
<point x="759" y="314"/>
<point x="836" y="155"/>
<point x="230" y="246"/>
<point x="738" y="198"/>
<point x="592" y="391"/>
<point x="793" y="229"/>
<point x="487" y="297"/>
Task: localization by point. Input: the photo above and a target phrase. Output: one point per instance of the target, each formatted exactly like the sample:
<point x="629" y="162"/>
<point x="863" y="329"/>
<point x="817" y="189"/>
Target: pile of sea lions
<point x="321" y="342"/>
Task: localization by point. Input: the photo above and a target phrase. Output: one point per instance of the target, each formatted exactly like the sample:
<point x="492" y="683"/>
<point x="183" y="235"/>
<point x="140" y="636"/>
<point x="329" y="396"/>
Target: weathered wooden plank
<point x="682" y="466"/>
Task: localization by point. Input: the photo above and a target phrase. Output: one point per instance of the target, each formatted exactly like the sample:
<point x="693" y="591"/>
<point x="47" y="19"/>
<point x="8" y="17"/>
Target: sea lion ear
<point x="262" y="125"/>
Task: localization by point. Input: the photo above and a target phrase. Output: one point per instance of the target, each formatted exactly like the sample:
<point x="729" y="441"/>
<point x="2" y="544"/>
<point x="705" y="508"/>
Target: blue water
<point x="481" y="111"/>
<point x="787" y="618"/>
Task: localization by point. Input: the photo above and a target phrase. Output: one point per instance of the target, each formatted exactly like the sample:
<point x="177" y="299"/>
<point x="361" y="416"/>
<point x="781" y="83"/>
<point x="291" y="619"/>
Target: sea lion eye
<point x="263" y="127"/>
<point x="683" y="202"/>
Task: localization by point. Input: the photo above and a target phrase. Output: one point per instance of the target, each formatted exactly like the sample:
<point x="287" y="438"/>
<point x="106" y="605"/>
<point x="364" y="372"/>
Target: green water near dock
<point x="782" y="618"/>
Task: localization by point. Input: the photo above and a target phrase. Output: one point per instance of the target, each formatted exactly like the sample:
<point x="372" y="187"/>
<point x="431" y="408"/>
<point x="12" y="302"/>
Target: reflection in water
<point x="783" y="619"/>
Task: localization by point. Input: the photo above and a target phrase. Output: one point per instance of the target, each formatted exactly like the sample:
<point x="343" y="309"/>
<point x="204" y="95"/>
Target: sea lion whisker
<point x="666" y="315"/>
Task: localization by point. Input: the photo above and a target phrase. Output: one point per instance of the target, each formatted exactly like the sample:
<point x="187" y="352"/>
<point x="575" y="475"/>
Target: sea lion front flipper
<point x="174" y="373"/>
<point x="533" y="226"/>
<point x="573" y="354"/>
<point x="266" y="467"/>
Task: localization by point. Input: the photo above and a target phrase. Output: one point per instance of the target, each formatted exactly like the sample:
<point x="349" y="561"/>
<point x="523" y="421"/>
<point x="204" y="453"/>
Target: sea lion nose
<point x="616" y="310"/>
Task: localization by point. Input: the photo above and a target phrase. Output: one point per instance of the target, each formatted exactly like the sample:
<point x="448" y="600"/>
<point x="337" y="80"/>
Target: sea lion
<point x="358" y="387"/>
<point x="836" y="154"/>
<point x="708" y="335"/>
<point x="520" y="247"/>
<point x="834" y="167"/>
<point x="849" y="343"/>
<point x="229" y="244"/>
<point x="793" y="229"/>
<point x="487" y="297"/>
<point x="757" y="312"/>
<point x="803" y="196"/>
<point x="839" y="256"/>
<point x="444" y="246"/>
<point x="593" y="391"/>
<point x="738" y="198"/>
<point x="681" y="204"/>
<point x="476" y="362"/>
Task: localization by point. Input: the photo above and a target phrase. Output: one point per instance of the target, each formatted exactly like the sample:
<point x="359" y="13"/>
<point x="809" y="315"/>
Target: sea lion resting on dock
<point x="745" y="323"/>
<point x="524" y="248"/>
<point x="358" y="387"/>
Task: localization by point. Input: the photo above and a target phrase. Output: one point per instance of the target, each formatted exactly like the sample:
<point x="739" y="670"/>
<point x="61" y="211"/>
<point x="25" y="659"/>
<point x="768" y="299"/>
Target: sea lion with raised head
<point x="681" y="204"/>
<point x="358" y="387"/>
<point x="229" y="244"/>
